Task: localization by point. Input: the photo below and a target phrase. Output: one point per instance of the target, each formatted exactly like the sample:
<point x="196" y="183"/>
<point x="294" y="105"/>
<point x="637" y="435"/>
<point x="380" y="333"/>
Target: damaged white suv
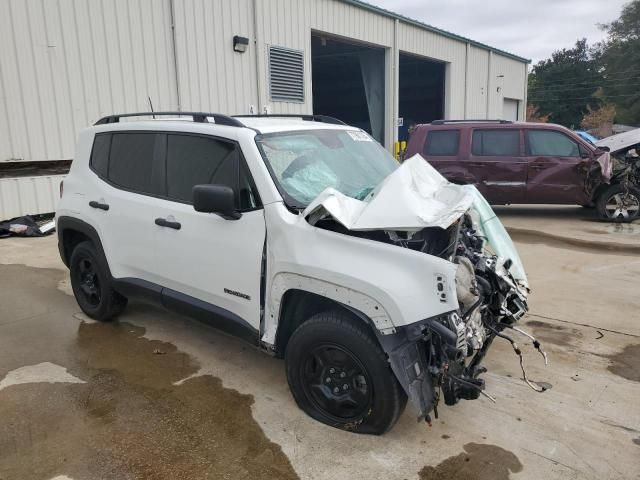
<point x="375" y="281"/>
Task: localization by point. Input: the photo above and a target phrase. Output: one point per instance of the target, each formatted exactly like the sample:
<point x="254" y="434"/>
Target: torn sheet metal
<point x="411" y="198"/>
<point x="606" y="166"/>
<point x="620" y="141"/>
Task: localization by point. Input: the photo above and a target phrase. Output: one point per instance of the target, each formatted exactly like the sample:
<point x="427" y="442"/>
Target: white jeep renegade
<point x="375" y="281"/>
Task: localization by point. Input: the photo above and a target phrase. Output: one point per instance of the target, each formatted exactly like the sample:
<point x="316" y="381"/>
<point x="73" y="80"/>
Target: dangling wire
<point x="536" y="344"/>
<point x="516" y="349"/>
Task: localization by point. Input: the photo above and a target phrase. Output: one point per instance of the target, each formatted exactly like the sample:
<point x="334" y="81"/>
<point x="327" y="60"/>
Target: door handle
<point x="476" y="164"/>
<point x="537" y="166"/>
<point x="163" y="222"/>
<point x="101" y="206"/>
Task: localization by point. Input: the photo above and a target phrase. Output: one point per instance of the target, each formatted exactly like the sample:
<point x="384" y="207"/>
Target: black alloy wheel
<point x="337" y="383"/>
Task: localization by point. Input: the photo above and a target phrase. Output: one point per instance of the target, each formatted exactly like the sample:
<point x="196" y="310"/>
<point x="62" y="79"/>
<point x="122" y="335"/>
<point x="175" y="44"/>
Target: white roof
<point x="620" y="141"/>
<point x="288" y="124"/>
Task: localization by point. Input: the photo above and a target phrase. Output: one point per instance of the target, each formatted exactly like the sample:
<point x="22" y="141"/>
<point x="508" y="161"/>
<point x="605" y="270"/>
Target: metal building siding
<point x="65" y="63"/>
<point x="29" y="195"/>
<point x="212" y="76"/>
<point x="477" y="83"/>
<point x="512" y="84"/>
<point x="289" y="23"/>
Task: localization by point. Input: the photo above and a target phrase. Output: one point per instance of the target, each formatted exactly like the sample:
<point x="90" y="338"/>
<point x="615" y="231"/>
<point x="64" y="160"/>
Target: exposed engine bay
<point x="440" y="357"/>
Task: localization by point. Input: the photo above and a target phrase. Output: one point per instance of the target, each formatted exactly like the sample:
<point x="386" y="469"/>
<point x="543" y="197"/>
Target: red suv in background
<point x="534" y="163"/>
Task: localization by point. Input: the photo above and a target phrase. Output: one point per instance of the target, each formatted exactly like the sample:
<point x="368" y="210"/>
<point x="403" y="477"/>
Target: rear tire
<point x="339" y="375"/>
<point x="619" y="204"/>
<point x="91" y="284"/>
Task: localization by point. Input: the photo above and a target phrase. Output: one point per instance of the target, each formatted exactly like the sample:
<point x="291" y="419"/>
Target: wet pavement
<point x="156" y="395"/>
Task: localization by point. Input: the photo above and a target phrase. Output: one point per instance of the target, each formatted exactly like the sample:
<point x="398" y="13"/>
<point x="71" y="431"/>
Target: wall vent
<point x="286" y="75"/>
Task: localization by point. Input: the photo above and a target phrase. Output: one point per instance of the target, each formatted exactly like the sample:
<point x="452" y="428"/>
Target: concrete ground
<point x="155" y="395"/>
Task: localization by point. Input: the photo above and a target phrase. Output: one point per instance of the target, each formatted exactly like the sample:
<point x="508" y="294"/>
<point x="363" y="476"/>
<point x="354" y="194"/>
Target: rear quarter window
<point x="442" y="143"/>
<point x="497" y="142"/>
<point x="100" y="154"/>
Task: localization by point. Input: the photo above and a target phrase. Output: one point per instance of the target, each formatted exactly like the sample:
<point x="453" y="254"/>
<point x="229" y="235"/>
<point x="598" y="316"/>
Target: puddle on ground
<point x="626" y="363"/>
<point x="128" y="420"/>
<point x="477" y="462"/>
<point x="555" y="334"/>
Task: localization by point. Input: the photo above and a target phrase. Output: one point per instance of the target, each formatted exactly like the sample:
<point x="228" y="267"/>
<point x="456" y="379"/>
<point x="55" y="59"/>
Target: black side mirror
<point x="218" y="199"/>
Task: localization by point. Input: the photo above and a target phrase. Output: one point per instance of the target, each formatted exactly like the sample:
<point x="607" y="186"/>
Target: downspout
<point x="466" y="81"/>
<point x="396" y="85"/>
<point x="523" y="116"/>
<point x="489" y="83"/>
<point x="259" y="76"/>
<point x="175" y="52"/>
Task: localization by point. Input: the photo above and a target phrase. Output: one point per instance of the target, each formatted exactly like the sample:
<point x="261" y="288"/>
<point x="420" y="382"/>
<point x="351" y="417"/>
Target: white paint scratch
<point x="45" y="372"/>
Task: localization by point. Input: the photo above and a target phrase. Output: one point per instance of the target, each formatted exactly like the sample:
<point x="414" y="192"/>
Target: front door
<point x="497" y="164"/>
<point x="557" y="173"/>
<point x="204" y="257"/>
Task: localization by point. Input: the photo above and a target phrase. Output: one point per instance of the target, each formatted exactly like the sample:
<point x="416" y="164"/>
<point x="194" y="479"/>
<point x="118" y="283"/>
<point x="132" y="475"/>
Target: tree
<point x="533" y="115"/>
<point x="563" y="86"/>
<point x="599" y="121"/>
<point x="619" y="59"/>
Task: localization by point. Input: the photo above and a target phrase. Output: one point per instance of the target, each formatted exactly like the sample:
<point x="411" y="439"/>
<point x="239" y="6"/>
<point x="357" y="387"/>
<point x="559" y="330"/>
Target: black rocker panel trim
<point x="208" y="313"/>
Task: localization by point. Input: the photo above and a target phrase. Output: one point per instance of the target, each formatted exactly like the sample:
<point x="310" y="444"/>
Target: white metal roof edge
<point x="425" y="26"/>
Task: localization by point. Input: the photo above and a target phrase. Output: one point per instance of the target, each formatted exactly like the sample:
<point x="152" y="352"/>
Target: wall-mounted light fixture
<point x="240" y="44"/>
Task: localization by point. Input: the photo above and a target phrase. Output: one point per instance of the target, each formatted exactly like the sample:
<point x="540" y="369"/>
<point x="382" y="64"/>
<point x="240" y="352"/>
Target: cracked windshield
<point x="305" y="163"/>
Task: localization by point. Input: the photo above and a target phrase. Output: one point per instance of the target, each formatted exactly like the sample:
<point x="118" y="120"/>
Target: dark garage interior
<point x="348" y="83"/>
<point x="421" y="92"/>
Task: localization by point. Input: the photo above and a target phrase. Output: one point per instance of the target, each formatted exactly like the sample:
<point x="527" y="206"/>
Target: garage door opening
<point x="421" y="92"/>
<point x="348" y="83"/>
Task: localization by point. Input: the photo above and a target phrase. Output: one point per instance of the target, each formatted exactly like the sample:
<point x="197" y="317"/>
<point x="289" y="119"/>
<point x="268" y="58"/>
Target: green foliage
<point x="582" y="79"/>
<point x="619" y="58"/>
<point x="564" y="85"/>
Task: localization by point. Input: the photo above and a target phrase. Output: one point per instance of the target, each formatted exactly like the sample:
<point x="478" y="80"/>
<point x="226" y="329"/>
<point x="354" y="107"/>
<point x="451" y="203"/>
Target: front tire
<point x="619" y="203"/>
<point x="339" y="375"/>
<point x="91" y="284"/>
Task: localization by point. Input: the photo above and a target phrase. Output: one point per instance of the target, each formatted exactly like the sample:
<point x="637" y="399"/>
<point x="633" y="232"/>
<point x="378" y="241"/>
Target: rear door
<point x="497" y="164"/>
<point x="203" y="257"/>
<point x="442" y="150"/>
<point x="129" y="165"/>
<point x="557" y="171"/>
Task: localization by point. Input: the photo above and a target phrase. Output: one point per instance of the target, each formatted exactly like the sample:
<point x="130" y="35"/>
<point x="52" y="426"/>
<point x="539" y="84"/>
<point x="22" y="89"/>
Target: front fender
<point x="393" y="286"/>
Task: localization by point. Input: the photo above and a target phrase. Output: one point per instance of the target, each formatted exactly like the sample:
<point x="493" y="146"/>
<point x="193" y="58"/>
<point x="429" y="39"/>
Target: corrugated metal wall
<point x="211" y="76"/>
<point x="65" y="63"/>
<point x="28" y="195"/>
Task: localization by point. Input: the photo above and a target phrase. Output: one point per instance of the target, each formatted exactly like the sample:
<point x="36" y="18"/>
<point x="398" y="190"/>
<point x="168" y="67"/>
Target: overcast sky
<point x="528" y="28"/>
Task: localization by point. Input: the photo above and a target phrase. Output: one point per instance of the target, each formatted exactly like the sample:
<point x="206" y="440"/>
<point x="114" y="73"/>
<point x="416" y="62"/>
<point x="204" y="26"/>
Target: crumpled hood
<point x="620" y="141"/>
<point x="411" y="198"/>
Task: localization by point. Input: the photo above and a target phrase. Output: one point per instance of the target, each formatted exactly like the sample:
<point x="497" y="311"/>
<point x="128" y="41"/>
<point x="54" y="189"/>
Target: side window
<point x="133" y="162"/>
<point x="100" y="154"/>
<point x="552" y="144"/>
<point x="503" y="142"/>
<point x="442" y="143"/>
<point x="194" y="160"/>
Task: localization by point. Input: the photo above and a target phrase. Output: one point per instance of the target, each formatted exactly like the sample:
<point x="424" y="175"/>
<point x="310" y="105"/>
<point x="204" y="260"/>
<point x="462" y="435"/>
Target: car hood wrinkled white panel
<point x="413" y="197"/>
<point x="620" y="141"/>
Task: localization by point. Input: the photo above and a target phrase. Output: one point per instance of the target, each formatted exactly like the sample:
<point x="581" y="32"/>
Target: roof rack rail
<point x="310" y="118"/>
<point x="484" y="120"/>
<point x="199" y="117"/>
